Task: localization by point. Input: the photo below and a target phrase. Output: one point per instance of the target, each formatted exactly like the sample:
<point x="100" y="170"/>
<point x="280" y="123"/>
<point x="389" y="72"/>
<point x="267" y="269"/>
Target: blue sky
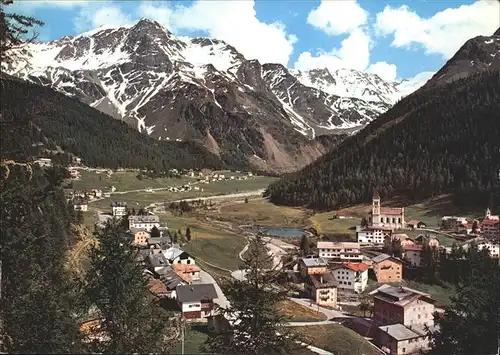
<point x="395" y="39"/>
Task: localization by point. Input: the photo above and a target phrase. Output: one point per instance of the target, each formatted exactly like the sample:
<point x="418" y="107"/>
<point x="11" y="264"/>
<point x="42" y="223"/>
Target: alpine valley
<point x="202" y="89"/>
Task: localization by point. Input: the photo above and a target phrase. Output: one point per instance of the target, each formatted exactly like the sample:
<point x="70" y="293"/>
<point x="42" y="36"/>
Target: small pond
<point x="283" y="232"/>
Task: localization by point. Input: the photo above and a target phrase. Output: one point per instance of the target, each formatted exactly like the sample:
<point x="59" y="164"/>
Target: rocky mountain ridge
<point x="203" y="89"/>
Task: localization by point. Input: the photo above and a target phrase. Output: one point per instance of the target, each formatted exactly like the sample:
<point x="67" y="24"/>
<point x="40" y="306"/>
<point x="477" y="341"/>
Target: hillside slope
<point x="47" y="121"/>
<point x="443" y="140"/>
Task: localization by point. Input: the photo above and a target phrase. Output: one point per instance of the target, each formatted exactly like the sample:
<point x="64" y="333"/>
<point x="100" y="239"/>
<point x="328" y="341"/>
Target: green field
<point x="336" y="339"/>
<point x="123" y="181"/>
<point x="194" y="337"/>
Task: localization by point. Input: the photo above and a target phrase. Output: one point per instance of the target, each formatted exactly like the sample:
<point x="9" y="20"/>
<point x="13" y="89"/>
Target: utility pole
<point x="182" y="335"/>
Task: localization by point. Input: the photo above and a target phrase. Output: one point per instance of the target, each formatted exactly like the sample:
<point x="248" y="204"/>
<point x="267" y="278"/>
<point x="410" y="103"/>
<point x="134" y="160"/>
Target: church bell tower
<point x="376" y="208"/>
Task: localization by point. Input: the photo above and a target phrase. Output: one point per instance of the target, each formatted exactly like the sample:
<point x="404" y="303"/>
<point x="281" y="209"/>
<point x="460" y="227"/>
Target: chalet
<point x="465" y="228"/>
<point x="158" y="241"/>
<point x="146" y="222"/>
<point x="119" y="208"/>
<point x="310" y="266"/>
<point x="196" y="301"/>
<point x="427" y="239"/>
<point x="139" y="236"/>
<point x="373" y="235"/>
<point x="340" y="251"/>
<point x="387" y="268"/>
<point x="396" y="304"/>
<point x="403" y="239"/>
<point x="322" y="288"/>
<point x="351" y="277"/>
<point x="415" y="224"/>
<point x="413" y="254"/>
<point x="178" y="256"/>
<point x="81" y="204"/>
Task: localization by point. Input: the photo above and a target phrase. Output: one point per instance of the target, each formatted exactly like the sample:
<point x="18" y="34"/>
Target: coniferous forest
<point x="47" y="121"/>
<point x="439" y="140"/>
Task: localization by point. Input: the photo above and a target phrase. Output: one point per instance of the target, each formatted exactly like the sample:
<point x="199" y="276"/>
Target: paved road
<point x="221" y="300"/>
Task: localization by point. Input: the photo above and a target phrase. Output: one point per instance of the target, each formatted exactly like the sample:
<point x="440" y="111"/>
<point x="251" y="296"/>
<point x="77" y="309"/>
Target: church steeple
<point x="488" y="213"/>
<point x="375" y="207"/>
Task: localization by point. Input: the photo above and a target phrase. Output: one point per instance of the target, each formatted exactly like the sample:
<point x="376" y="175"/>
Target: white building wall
<point x="348" y="279"/>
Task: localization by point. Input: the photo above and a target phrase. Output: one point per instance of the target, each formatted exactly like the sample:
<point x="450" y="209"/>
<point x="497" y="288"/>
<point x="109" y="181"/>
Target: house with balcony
<point x="322" y="288"/>
<point x="119" y="209"/>
<point x="139" y="236"/>
<point x="398" y="339"/>
<point x="196" y="301"/>
<point x="312" y="265"/>
<point x="351" y="276"/>
<point x="412" y="254"/>
<point x="387" y="268"/>
<point x="340" y="251"/>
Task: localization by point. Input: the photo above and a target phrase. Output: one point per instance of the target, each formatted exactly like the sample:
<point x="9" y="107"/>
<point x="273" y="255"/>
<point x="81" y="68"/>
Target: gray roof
<point x="399" y="332"/>
<point x="158" y="240"/>
<point x="173" y="252"/>
<point x="170" y="278"/>
<point x="196" y="292"/>
<point x="118" y="204"/>
<point x="144" y="219"/>
<point x="381" y="257"/>
<point x="157" y="260"/>
<point x="323" y="281"/>
<point x="399" y="295"/>
<point x="311" y="262"/>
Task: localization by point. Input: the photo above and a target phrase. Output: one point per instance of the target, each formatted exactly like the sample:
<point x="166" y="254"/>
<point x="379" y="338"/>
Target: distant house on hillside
<point x="414" y="224"/>
<point x="146" y="222"/>
<point x="119" y="208"/>
<point x="80" y="204"/>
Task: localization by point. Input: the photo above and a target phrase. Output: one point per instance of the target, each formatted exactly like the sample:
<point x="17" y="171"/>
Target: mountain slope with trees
<point x="49" y="121"/>
<point x="439" y="140"/>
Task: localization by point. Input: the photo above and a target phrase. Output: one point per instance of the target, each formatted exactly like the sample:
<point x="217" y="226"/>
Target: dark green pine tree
<point x="37" y="294"/>
<point x="254" y="302"/>
<point x="131" y="317"/>
<point x="155" y="232"/>
<point x="304" y="245"/>
<point x="469" y="326"/>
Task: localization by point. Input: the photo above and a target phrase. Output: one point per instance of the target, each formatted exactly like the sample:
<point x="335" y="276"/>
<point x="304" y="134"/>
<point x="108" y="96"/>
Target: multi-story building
<point x="385" y="216"/>
<point x="322" y="289"/>
<point x="311" y="266"/>
<point x="351" y="277"/>
<point x="396" y="304"/>
<point x="119" y="209"/>
<point x="403" y="316"/>
<point x="387" y="268"/>
<point x="491" y="225"/>
<point x="139" y="236"/>
<point x="146" y="222"/>
<point x="452" y="222"/>
<point x="373" y="235"/>
<point x="340" y="251"/>
<point x="196" y="301"/>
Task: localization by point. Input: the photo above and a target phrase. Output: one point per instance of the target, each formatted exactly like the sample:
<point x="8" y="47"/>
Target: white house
<point x="119" y="209"/>
<point x="145" y="222"/>
<point x="80" y="205"/>
<point x="196" y="300"/>
<point x="352" y="277"/>
<point x="340" y="251"/>
<point x="373" y="235"/>
<point x="413" y="254"/>
<point x="178" y="256"/>
<point x="43" y="162"/>
<point x="493" y="248"/>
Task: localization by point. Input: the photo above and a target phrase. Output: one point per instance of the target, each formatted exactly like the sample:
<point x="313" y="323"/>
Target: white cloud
<point x="91" y="17"/>
<point x="384" y="70"/>
<point x="338" y="17"/>
<point x="236" y="23"/>
<point x="354" y="53"/>
<point x="442" y="33"/>
<point x="162" y="14"/>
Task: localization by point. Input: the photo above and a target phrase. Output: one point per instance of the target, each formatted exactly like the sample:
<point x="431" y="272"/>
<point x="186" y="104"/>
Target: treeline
<point x="50" y="122"/>
<point x="444" y="140"/>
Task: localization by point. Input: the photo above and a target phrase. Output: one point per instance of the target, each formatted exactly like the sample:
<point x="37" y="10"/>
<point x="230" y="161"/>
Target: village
<point x="354" y="284"/>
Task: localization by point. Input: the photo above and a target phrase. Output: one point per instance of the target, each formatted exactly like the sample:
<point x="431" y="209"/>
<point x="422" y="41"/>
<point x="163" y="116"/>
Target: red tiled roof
<point x="490" y="222"/>
<point x="185" y="268"/>
<point x="356" y="267"/>
<point x="413" y="247"/>
<point x="391" y="211"/>
<point x="414" y="222"/>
